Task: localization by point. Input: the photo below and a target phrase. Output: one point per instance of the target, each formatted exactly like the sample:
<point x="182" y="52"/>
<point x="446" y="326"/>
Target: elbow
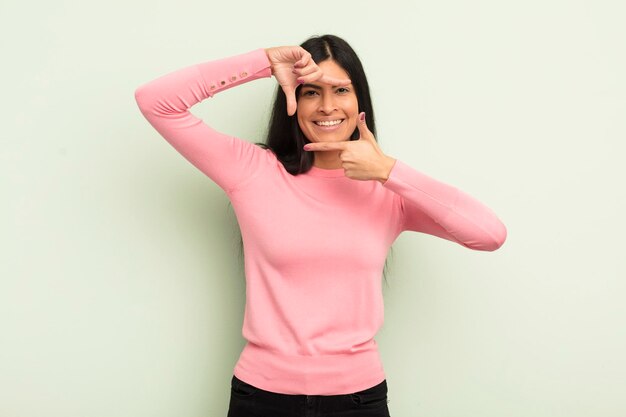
<point x="138" y="94"/>
<point x="140" y="97"/>
<point x="496" y="239"/>
<point x="490" y="241"/>
<point x="145" y="97"/>
<point x="147" y="102"/>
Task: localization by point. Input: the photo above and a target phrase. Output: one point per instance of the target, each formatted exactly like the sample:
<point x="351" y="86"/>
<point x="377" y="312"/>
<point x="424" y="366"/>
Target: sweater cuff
<point x="229" y="72"/>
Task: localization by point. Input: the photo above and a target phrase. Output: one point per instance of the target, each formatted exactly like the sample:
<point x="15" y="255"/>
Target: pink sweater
<point x="314" y="244"/>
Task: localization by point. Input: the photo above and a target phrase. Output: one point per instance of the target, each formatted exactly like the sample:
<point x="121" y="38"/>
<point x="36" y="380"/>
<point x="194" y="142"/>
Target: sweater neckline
<point x="329" y="173"/>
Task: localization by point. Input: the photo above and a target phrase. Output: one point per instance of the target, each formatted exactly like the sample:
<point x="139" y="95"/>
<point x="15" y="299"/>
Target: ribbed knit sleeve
<point x="165" y="103"/>
<point x="433" y="207"/>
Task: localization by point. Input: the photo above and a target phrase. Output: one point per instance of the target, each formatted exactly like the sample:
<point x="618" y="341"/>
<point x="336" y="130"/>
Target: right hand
<point x="291" y="64"/>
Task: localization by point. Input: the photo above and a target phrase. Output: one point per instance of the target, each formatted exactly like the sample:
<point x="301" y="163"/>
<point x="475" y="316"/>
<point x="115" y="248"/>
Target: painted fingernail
<point x="362" y="117"/>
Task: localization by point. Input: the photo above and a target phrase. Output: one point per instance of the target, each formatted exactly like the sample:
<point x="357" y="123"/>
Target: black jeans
<point x="249" y="401"/>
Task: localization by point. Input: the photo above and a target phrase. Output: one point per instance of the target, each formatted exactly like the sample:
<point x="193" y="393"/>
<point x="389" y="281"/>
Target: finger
<point x="362" y="121"/>
<point x="313" y="76"/>
<point x="318" y="75"/>
<point x="292" y="104"/>
<point x="304" y="61"/>
<point x="305" y="71"/>
<point x="300" y="61"/>
<point x="335" y="81"/>
<point x="326" y="146"/>
<point x="363" y="129"/>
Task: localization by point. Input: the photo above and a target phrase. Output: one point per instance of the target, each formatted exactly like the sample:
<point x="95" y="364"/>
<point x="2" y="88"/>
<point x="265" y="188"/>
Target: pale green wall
<point x="121" y="290"/>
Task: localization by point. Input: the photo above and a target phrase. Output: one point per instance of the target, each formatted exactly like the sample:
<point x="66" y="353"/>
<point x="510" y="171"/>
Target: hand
<point x="292" y="65"/>
<point x="361" y="159"/>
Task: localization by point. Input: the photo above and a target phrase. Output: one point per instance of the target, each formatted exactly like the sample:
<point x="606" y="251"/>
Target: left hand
<point x="361" y="159"/>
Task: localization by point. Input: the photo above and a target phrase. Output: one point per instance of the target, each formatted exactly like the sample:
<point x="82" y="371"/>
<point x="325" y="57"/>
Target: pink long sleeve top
<point x="314" y="244"/>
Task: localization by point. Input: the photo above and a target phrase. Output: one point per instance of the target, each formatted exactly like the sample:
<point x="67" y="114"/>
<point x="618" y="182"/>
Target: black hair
<point x="284" y="136"/>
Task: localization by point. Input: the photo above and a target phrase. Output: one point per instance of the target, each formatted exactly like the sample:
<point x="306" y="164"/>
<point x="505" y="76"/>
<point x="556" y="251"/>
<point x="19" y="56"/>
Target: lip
<point x="329" y="128"/>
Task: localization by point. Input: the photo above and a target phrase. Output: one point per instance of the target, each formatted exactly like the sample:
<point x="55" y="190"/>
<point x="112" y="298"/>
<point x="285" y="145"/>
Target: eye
<point x="306" y="93"/>
<point x="344" y="89"/>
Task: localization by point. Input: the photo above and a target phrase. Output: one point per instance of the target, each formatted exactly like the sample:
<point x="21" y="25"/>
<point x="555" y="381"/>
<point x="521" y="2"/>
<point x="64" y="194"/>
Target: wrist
<point x="386" y="167"/>
<point x="267" y="54"/>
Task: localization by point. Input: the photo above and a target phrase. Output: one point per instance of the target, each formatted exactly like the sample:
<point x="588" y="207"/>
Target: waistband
<point x="310" y="375"/>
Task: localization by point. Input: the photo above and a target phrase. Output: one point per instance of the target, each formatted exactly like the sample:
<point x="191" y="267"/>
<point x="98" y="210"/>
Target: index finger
<point x="334" y="81"/>
<point x="326" y="146"/>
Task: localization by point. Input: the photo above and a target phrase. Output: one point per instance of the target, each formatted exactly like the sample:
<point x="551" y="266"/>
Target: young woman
<point x="316" y="222"/>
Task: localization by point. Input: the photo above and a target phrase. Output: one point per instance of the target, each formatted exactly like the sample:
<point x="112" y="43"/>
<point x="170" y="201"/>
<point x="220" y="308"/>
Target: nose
<point x="327" y="104"/>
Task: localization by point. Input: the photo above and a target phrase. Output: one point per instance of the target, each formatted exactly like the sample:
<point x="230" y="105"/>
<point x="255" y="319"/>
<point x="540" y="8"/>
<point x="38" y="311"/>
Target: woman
<point x="316" y="223"/>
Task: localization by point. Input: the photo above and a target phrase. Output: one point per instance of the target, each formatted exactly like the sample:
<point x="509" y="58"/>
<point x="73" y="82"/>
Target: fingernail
<point x="300" y="81"/>
<point x="306" y="147"/>
<point x="362" y="117"/>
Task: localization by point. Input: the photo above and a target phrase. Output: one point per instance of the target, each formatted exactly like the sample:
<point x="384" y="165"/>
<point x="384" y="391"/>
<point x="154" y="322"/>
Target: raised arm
<point x="433" y="207"/>
<point x="165" y="103"/>
<point x="427" y="205"/>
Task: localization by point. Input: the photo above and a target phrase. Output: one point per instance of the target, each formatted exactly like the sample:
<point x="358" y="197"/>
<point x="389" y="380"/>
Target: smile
<point x="329" y="123"/>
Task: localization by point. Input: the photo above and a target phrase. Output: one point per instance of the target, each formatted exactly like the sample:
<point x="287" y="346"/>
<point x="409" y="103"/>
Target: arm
<point x="165" y="103"/>
<point x="433" y="207"/>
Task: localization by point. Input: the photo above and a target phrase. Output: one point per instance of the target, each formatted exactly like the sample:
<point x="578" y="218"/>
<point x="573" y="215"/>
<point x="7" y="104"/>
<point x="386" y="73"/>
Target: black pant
<point x="249" y="401"/>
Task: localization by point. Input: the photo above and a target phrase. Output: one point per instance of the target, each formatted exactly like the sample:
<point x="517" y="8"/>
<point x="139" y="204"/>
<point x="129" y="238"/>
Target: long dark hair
<point x="284" y="136"/>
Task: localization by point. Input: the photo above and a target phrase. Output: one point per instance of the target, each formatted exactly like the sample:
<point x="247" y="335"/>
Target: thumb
<point x="290" y="94"/>
<point x="363" y="129"/>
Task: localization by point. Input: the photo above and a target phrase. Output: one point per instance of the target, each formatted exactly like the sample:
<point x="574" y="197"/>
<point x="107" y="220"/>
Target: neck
<point x="327" y="160"/>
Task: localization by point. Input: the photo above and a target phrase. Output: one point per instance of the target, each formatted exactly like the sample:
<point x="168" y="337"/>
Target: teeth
<point x="335" y="122"/>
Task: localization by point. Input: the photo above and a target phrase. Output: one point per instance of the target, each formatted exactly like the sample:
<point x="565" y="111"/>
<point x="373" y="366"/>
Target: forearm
<point x="165" y="103"/>
<point x="437" y="208"/>
<point x="179" y="90"/>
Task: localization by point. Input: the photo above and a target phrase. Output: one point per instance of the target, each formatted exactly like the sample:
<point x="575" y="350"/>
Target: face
<point x="322" y="102"/>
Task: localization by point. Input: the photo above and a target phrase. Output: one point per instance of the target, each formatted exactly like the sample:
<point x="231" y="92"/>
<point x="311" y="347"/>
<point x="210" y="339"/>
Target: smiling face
<point x="319" y="102"/>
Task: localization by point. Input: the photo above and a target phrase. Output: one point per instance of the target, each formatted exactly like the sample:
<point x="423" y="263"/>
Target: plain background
<point x="122" y="291"/>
